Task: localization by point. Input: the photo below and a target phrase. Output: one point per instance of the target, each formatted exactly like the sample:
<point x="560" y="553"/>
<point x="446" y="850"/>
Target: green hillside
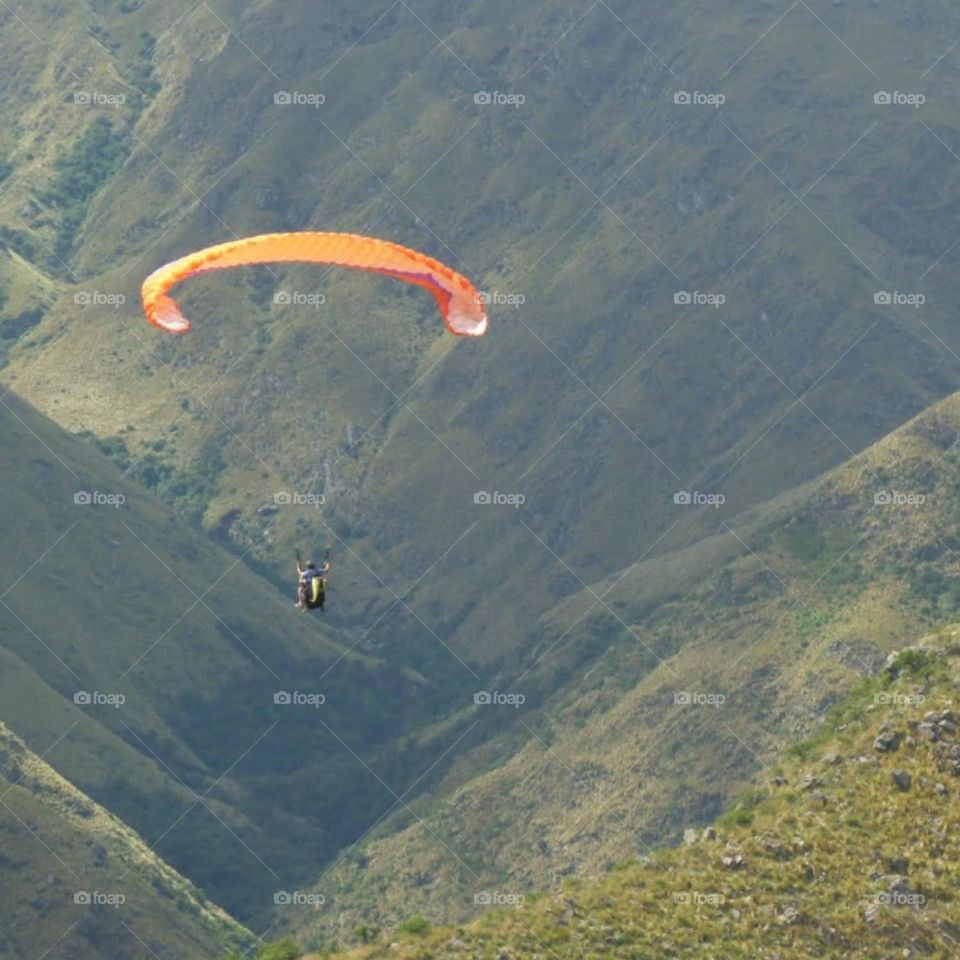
<point x="74" y="875"/>
<point x="846" y="846"/>
<point x="136" y="130"/>
<point x="650" y="712"/>
<point x="597" y="398"/>
<point x="143" y="663"/>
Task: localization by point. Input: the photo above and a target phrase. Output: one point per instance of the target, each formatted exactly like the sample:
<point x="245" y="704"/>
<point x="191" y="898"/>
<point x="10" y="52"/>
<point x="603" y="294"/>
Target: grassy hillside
<point x="846" y="846"/>
<point x="685" y="676"/>
<point x="77" y="879"/>
<point x="595" y="396"/>
<point x="143" y="663"/>
<point x="599" y="199"/>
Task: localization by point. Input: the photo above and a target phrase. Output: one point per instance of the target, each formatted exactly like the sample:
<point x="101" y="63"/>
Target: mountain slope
<point x="147" y="661"/>
<point x="76" y="876"/>
<point x="594" y="395"/>
<point x="598" y="398"/>
<point x="846" y="847"/>
<point x="684" y="676"/>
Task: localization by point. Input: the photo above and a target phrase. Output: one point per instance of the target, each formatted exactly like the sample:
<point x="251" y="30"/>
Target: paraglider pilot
<point x="312" y="583"/>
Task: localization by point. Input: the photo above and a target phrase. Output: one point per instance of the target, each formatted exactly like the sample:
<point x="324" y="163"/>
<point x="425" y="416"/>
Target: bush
<point x="284" y="949"/>
<point x="911" y="663"/>
<point x="366" y="933"/>
<point x="741" y="813"/>
<point x="80" y="173"/>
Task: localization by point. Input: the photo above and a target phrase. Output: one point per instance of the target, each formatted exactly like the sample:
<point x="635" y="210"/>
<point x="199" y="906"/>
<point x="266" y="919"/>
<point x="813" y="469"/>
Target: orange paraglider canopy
<point x="458" y="300"/>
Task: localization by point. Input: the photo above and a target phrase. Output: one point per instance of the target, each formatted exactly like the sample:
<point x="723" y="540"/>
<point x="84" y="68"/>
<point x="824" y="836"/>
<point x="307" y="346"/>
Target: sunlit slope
<point x="657" y="693"/>
<point x="150" y="662"/>
<point x="596" y="201"/>
<point x="845" y="846"/>
<point x="77" y="879"/>
<point x="359" y="397"/>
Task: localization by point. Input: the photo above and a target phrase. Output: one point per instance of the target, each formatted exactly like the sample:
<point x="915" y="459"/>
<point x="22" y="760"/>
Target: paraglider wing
<point x="459" y="303"/>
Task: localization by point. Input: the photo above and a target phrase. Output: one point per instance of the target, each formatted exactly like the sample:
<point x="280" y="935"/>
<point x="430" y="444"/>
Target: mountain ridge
<point x="842" y="847"/>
